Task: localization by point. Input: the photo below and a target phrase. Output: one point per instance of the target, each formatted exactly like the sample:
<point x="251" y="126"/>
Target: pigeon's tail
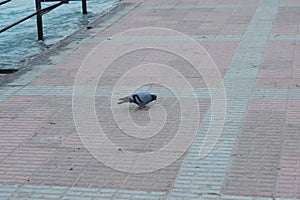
<point x="124" y="100"/>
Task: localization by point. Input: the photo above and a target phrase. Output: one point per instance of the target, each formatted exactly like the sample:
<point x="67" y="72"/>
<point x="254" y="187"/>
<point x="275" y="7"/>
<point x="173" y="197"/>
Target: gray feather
<point x="124" y="100"/>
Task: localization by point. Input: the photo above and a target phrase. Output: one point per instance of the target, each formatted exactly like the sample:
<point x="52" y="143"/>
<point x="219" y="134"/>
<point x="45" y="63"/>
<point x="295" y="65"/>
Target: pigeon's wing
<point x="134" y="98"/>
<point x="143" y="98"/>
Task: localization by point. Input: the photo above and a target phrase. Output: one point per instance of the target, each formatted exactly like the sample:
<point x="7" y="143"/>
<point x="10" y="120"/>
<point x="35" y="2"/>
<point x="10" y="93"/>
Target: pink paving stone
<point x="290" y="1"/>
<point x="273" y="83"/>
<point x="257" y="150"/>
<point x="246" y="10"/>
<point x="297" y="57"/>
<point x="269" y="73"/>
<point x="196" y="15"/>
<point x="277" y="105"/>
<point x="234" y="29"/>
<point x="73" y="141"/>
<point x="50" y="104"/>
<point x="296" y="71"/>
<point x="4" y="121"/>
<point x="65" y="71"/>
<point x="18" y="130"/>
<point x="214" y="22"/>
<point x="279" y="54"/>
<point x="4" y="152"/>
<point x="287" y="22"/>
<point x="288" y="183"/>
<point x="295" y="83"/>
<point x="224" y="1"/>
<point x="25" y="101"/>
<point x="21" y="163"/>
<point x="293" y="112"/>
<point x="207" y="21"/>
<point x="274" y="78"/>
<point x="19" y="123"/>
<point x="159" y="3"/>
<point x="221" y="53"/>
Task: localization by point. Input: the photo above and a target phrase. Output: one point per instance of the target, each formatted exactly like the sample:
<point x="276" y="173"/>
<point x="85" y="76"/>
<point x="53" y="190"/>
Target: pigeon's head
<point x="154" y="97"/>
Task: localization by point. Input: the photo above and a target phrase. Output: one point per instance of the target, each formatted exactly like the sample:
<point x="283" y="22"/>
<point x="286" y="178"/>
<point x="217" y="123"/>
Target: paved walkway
<point x="256" y="46"/>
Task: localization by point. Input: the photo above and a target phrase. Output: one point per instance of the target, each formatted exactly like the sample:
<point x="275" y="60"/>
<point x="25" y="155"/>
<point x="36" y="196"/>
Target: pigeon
<point x="140" y="98"/>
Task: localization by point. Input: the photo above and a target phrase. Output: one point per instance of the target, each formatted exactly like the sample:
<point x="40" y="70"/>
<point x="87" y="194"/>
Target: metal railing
<point x="3" y="2"/>
<point x="39" y="13"/>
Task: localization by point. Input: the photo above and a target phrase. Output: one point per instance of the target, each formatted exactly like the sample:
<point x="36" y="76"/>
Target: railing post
<point x="84" y="10"/>
<point x="39" y="21"/>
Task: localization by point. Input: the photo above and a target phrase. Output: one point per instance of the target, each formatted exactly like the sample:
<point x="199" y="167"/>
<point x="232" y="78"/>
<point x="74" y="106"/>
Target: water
<point x="20" y="42"/>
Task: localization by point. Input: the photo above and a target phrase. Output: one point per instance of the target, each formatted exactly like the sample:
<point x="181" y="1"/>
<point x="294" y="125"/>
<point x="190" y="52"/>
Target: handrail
<point x="39" y="12"/>
<point x="3" y="2"/>
<point x="42" y="11"/>
<point x="48" y="9"/>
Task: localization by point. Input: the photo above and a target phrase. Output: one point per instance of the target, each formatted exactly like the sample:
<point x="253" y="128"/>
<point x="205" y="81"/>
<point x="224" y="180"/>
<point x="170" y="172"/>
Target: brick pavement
<point x="255" y="45"/>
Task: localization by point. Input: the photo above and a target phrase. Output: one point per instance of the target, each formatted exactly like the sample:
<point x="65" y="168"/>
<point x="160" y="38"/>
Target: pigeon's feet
<point x="144" y="108"/>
